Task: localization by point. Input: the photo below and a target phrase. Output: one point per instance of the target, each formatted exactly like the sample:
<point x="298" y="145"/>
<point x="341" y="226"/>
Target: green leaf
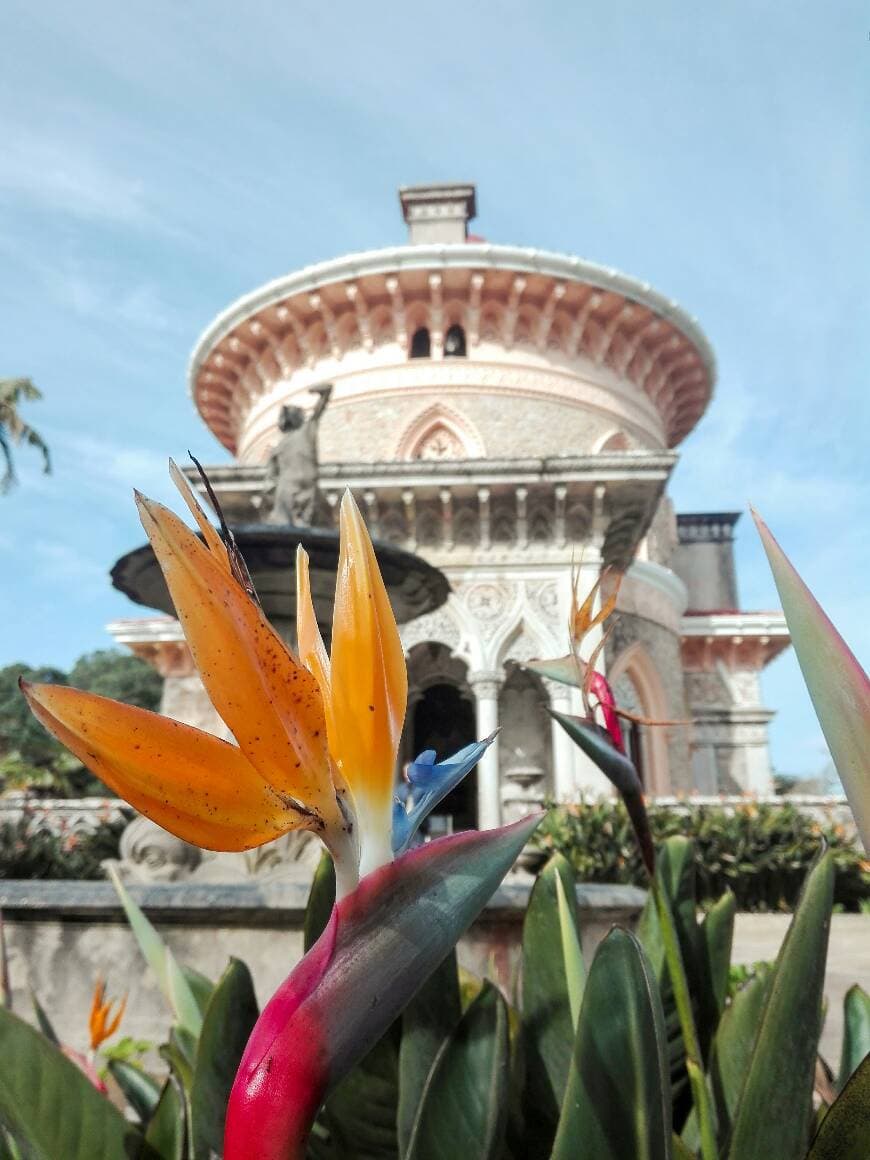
<point x="617" y="1103"/>
<point x="731" y="1052"/>
<point x="572" y="957"/>
<point x="166" y="1130"/>
<point x="675" y="871"/>
<point x="856" y="1032"/>
<point x="170" y="977"/>
<point x="229" y="1019"/>
<point x="837" y="684"/>
<point x="361" y="1113"/>
<point x="681" y="1150"/>
<point x="426" y="1023"/>
<point x="43" y="1020"/>
<point x="845" y="1131"/>
<point x="547" y="1026"/>
<point x="47" y="1101"/>
<point x="464" y="1107"/>
<point x="773" y="1113"/>
<point x="140" y="1091"/>
<point x="717" y="937"/>
<point x="321" y="899"/>
<point x="201" y="986"/>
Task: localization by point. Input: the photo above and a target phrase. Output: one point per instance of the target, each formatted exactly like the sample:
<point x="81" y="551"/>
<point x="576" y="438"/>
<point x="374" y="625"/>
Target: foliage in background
<point x="30" y="758"/>
<point x="760" y="852"/>
<point x="14" y="430"/>
<point x="28" y="849"/>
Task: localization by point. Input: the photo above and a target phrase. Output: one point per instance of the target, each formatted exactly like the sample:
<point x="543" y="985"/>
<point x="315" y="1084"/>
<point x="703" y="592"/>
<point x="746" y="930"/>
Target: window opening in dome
<point x="421" y="344"/>
<point x="454" y="342"/>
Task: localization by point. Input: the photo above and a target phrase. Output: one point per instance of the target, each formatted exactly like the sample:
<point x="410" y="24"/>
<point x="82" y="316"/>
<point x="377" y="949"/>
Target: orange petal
<point x="312" y="651"/>
<point x="97" y="1015"/>
<point x="582" y="619"/>
<point x="271" y="704"/>
<point x="213" y="541"/>
<point x="115" y="1023"/>
<point x="369" y="677"/>
<point x="196" y="786"/>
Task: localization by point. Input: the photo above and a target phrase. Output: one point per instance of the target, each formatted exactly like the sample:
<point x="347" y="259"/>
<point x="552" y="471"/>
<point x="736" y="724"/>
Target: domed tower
<point x="506" y="413"/>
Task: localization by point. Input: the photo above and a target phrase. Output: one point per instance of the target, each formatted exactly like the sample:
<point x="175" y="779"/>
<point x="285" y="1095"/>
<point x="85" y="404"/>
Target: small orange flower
<point x="102" y="1023"/>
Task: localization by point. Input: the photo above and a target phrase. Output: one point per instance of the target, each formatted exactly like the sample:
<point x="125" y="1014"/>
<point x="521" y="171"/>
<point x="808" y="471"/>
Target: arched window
<point x="421" y="344"/>
<point x="454" y="342"/>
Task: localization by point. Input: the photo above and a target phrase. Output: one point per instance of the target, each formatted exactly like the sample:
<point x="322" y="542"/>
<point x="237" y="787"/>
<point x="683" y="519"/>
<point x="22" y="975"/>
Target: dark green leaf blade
<point x="675" y="870"/>
<point x="547" y="1028"/>
<point x="856" y="1032"/>
<point x="43" y="1020"/>
<point x="200" y="986"/>
<point x="228" y="1021"/>
<point x="361" y="1113"/>
<point x="140" y="1091"/>
<point x="844" y="1133"/>
<point x="617" y="1103"/>
<point x="717" y="937"/>
<point x="464" y="1108"/>
<point x="167" y="1129"/>
<point x="426" y="1023"/>
<point x="46" y="1100"/>
<point x="321" y="899"/>
<point x="731" y="1052"/>
<point x="773" y="1114"/>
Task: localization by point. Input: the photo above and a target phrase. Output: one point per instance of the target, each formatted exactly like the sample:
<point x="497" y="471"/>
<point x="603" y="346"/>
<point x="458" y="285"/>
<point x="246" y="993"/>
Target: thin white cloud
<point x="65" y="179"/>
<point x="110" y="468"/>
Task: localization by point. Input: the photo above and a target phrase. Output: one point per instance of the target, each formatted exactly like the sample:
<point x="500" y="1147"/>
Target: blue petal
<point x="430" y="784"/>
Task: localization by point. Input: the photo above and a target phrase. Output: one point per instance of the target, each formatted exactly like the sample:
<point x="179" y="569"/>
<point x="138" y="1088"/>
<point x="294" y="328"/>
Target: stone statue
<point x="291" y="473"/>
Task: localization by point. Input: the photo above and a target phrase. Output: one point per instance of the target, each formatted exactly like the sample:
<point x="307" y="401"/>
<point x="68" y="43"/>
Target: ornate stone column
<point x="485" y="686"/>
<point x="564" y="750"/>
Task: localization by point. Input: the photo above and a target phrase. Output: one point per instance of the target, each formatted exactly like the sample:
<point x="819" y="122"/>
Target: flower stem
<point x="694" y="1062"/>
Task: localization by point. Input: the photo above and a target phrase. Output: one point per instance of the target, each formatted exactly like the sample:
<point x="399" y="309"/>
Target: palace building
<point x="508" y="414"/>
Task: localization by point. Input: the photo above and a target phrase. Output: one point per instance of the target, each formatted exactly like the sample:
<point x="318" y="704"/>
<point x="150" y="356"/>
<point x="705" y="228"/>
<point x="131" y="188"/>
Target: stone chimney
<point x="704" y="560"/>
<point x="438" y="213"/>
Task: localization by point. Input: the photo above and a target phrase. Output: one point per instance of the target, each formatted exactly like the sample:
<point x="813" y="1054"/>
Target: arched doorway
<point x="441" y="716"/>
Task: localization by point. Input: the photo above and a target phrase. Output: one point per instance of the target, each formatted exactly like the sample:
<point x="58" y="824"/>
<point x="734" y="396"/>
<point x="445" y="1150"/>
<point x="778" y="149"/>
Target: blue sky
<point x="159" y="159"/>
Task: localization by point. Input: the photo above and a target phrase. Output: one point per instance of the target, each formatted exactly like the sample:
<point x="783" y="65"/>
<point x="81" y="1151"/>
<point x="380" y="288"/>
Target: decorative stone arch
<point x="612" y="441"/>
<point x="526" y="326"/>
<point x="437" y="428"/>
<point x="521" y="642"/>
<point x="417" y="316"/>
<point x="635" y="665"/>
<point x="384" y="326"/>
<point x="347" y="331"/>
<point x="455" y="311"/>
<point x="492" y="314"/>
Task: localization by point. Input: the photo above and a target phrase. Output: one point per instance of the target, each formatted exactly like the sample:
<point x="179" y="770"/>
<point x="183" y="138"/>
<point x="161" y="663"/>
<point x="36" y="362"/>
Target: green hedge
<point x="30" y="850"/>
<point x="760" y="852"/>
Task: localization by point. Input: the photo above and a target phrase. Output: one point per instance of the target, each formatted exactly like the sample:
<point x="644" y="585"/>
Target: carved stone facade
<point x="511" y="416"/>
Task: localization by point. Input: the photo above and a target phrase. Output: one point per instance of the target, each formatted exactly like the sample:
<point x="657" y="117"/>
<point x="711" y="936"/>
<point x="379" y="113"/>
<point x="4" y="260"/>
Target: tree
<point x="29" y="756"/>
<point x="20" y="732"/>
<point x="119" y="675"/>
<point x="13" y="428"/>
